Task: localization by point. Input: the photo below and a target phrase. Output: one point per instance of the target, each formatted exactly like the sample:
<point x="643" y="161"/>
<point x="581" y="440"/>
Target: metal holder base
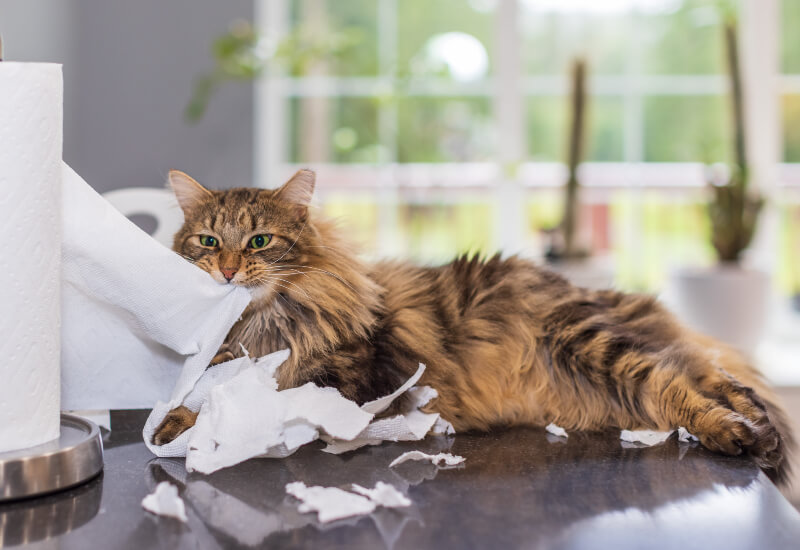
<point x="74" y="458"/>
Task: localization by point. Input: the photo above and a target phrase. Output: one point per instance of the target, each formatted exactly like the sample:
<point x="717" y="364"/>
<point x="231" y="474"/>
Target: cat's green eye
<point x="259" y="241"/>
<point x="207" y="240"/>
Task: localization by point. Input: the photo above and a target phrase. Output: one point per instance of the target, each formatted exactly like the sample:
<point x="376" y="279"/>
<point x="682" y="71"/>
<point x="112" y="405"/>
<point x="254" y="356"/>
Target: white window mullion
<point x="633" y="143"/>
<point x="760" y="54"/>
<point x="388" y="195"/>
<point x="270" y="128"/>
<point x="509" y="115"/>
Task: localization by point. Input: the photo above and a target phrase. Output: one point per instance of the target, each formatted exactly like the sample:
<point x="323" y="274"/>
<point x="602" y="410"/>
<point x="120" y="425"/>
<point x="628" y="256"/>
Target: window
<point x="430" y="142"/>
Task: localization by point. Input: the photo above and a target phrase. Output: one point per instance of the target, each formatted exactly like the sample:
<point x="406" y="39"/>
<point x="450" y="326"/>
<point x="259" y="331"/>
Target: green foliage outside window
<point x="675" y="128"/>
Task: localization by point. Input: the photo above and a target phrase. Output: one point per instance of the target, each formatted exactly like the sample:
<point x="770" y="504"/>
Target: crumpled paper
<point x="383" y="494"/>
<point x="685" y="436"/>
<point x="410" y="425"/>
<point x="242" y="414"/>
<point x="217" y="506"/>
<point x="557" y="431"/>
<point x="164" y="501"/>
<point x="332" y="503"/>
<point x="138" y="321"/>
<point x="446" y="458"/>
<point x="650" y="437"/>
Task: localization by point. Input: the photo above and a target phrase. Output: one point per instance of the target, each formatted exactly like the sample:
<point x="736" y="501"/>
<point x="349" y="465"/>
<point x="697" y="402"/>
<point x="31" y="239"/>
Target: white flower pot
<point x="728" y="303"/>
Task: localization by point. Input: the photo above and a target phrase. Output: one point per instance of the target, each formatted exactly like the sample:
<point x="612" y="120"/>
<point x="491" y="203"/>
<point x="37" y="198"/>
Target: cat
<point x="505" y="342"/>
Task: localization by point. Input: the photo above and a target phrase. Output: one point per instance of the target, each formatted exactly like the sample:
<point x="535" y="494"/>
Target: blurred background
<point x="448" y="126"/>
<point x="420" y="115"/>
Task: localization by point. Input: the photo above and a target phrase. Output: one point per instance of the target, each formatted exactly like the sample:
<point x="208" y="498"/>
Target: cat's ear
<point x="298" y="191"/>
<point x="188" y="192"/>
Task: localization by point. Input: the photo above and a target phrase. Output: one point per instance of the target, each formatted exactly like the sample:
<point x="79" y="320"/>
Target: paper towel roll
<point x="31" y="110"/>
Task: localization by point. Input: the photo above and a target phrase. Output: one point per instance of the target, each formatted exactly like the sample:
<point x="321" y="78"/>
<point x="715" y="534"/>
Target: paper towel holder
<point x="72" y="459"/>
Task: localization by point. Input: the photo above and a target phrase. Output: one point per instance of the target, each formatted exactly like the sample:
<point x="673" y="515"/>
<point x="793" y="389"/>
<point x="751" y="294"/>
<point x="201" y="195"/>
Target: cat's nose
<point x="227" y="273"/>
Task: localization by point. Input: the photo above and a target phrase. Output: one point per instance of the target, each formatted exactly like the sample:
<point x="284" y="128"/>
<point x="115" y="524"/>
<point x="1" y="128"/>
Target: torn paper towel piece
<point x="242" y="414"/>
<point x="330" y="503"/>
<point x="381" y="404"/>
<point x="685" y="436"/>
<point x="644" y="437"/>
<point x="410" y="425"/>
<point x="211" y="377"/>
<point x="447" y="458"/>
<point x="138" y="321"/>
<point x="247" y="416"/>
<point x="383" y="494"/>
<point x="556" y="430"/>
<point x="164" y="501"/>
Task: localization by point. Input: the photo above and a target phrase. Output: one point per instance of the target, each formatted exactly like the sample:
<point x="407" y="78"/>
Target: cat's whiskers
<point x="289" y="271"/>
<point x="322" y="271"/>
<point x="294" y="243"/>
<point x="278" y="294"/>
<point x="282" y="270"/>
<point x="273" y="278"/>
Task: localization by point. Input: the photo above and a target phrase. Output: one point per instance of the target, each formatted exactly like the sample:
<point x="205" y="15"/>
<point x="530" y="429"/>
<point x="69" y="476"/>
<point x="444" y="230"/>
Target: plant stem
<point x="737" y="96"/>
<point x="574" y="154"/>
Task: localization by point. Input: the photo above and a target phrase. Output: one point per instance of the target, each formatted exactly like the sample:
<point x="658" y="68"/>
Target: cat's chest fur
<point x="260" y="330"/>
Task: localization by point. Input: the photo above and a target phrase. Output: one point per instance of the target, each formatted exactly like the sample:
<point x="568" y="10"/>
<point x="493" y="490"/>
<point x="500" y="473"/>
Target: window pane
<point x="434" y="231"/>
<point x="688" y="40"/>
<point x="544" y="211"/>
<point x="789" y="246"/>
<point x="437" y="232"/>
<point x="444" y="129"/>
<point x="791" y="128"/>
<point x="655" y="233"/>
<point x="647" y="234"/>
<point x="444" y="36"/>
<point x="358" y="216"/>
<point x="343" y="129"/>
<point x="687" y="129"/>
<point x="553" y="36"/>
<point x="547" y="129"/>
<point x="333" y="38"/>
<point x="790" y="19"/>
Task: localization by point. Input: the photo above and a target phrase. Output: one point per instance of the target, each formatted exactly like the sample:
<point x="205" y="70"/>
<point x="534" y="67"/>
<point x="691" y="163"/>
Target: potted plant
<point x="563" y="250"/>
<point x="729" y="301"/>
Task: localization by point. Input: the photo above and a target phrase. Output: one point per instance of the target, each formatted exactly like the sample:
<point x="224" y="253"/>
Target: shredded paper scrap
<point x="243" y="414"/>
<point x="332" y="503"/>
<point x="164" y="501"/>
<point x="437" y="459"/>
<point x="650" y="437"/>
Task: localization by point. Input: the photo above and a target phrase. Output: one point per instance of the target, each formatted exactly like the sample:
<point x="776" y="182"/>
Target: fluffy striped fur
<point x="505" y="342"/>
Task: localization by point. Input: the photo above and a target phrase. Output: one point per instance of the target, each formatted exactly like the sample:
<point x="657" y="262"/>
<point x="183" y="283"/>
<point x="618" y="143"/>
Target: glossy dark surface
<point x="520" y="488"/>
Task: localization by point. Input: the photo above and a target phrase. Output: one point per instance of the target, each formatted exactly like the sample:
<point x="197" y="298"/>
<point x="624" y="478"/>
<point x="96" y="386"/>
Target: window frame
<point x="506" y="180"/>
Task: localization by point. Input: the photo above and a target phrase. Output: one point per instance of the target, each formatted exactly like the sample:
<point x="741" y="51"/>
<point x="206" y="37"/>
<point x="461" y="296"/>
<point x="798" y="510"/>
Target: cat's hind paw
<point x="728" y="431"/>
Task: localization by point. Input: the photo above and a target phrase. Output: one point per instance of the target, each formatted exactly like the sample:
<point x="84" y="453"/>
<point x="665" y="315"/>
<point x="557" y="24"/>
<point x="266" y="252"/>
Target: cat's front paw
<point x="221" y="357"/>
<point x="176" y="422"/>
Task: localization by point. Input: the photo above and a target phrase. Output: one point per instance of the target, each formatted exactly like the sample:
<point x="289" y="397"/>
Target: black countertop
<point x="520" y="488"/>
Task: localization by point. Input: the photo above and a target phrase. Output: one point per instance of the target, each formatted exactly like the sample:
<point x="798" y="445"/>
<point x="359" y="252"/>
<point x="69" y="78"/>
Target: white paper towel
<point x="30" y="172"/>
<point x="140" y="323"/>
<point x="242" y="415"/>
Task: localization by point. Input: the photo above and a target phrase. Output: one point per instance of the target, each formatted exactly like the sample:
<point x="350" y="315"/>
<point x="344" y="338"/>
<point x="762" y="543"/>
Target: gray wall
<point x="128" y="71"/>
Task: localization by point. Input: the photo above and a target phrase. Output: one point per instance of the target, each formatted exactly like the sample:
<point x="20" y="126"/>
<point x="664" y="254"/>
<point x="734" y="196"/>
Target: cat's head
<point x="244" y="236"/>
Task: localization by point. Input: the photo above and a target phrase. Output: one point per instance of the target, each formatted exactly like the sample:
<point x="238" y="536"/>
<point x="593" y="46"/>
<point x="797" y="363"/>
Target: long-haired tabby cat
<point x="505" y="342"/>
